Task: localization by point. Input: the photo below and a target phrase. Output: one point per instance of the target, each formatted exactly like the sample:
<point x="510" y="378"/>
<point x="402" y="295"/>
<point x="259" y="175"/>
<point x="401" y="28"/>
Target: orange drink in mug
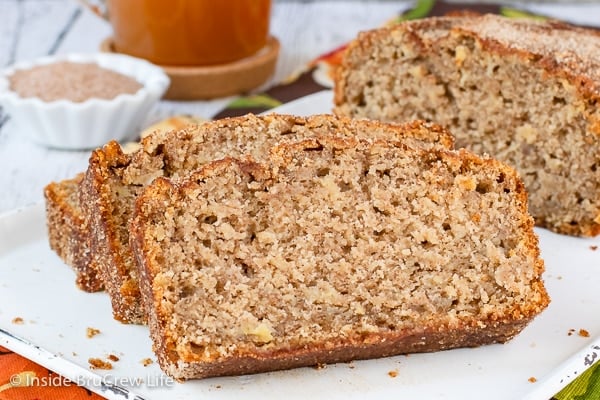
<point x="189" y="32"/>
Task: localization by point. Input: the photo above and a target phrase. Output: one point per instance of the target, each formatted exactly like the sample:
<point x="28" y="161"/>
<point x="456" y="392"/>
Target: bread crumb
<point x="146" y="361"/>
<point x="319" y="366"/>
<point x="571" y="332"/>
<point x="218" y="386"/>
<point x="393" y="373"/>
<point x="583" y="333"/>
<point x="91" y="332"/>
<point x="96" y="363"/>
<point x="74" y="354"/>
<point x="593" y="248"/>
<point x="112" y="357"/>
<point x="18" y="321"/>
<point x="532" y="379"/>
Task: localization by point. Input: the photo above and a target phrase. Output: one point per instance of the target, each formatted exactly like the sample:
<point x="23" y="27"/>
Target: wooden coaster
<point x="207" y="82"/>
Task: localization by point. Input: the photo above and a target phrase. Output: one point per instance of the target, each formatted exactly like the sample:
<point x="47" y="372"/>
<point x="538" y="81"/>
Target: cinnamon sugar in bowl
<point x="80" y="101"/>
<point x="72" y="81"/>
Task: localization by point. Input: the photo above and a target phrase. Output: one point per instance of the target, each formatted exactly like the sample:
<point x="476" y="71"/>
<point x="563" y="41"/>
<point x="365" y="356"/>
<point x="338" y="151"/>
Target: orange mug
<point x="189" y="32"/>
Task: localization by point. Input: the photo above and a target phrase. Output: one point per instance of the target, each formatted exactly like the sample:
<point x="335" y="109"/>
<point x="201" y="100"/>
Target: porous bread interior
<point x="495" y="100"/>
<point x="336" y="243"/>
<point x="176" y="154"/>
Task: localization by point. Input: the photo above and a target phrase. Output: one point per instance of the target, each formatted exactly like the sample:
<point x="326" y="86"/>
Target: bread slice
<point x="336" y="250"/>
<point x="114" y="180"/>
<point x="524" y="91"/>
<point x="68" y="232"/>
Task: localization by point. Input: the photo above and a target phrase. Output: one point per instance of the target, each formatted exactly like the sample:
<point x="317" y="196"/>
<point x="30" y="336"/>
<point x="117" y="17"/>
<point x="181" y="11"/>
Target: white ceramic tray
<point x="37" y="287"/>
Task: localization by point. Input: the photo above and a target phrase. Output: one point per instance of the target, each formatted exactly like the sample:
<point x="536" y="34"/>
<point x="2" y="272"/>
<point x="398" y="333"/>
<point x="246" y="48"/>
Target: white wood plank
<point x="9" y="11"/>
<point x="37" y="25"/>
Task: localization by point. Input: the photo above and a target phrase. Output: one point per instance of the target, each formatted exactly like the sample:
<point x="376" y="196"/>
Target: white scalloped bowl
<point x="64" y="124"/>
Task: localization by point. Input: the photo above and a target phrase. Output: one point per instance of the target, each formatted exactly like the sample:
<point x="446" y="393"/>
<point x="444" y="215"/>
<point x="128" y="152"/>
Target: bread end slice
<point x="68" y="232"/>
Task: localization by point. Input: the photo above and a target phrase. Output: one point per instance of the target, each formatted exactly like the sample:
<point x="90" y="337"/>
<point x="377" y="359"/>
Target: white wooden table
<point x="33" y="28"/>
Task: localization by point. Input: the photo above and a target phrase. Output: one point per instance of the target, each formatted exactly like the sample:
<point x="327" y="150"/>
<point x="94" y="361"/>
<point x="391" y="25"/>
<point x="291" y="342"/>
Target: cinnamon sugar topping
<point x="72" y="81"/>
<point x="575" y="50"/>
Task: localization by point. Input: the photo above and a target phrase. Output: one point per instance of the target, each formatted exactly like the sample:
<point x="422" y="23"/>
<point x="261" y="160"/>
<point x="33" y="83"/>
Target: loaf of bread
<point x="68" y="233"/>
<point x="114" y="180"/>
<point x="524" y="91"/>
<point x="334" y="250"/>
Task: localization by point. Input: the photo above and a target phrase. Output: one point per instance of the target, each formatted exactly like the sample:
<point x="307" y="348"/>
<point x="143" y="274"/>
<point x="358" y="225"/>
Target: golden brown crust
<point x="371" y="346"/>
<point x="366" y="347"/>
<point x="68" y="234"/>
<point x="163" y="194"/>
<point x="156" y="321"/>
<point x="106" y="243"/>
<point x="559" y="48"/>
